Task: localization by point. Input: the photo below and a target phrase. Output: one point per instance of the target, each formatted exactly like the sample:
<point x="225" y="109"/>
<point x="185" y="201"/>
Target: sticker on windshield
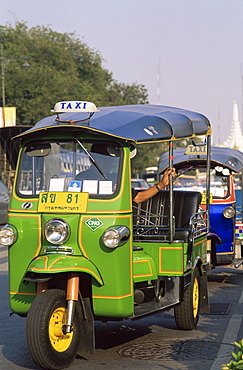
<point x="90" y="186"/>
<point x="74" y="185"/>
<point x="93" y="223"/>
<point x="57" y="184"/>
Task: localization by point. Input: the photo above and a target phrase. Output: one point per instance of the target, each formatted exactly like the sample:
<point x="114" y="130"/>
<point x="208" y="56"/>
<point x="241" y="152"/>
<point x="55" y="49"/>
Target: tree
<point x="148" y="156"/>
<point x="120" y="93"/>
<point x="62" y="68"/>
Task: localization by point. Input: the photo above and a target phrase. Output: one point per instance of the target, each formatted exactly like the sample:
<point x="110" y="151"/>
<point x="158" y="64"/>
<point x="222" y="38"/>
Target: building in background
<point x="235" y="139"/>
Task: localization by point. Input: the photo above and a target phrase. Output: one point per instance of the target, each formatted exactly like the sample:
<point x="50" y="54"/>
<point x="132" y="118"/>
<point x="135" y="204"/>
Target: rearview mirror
<point x="38" y="150"/>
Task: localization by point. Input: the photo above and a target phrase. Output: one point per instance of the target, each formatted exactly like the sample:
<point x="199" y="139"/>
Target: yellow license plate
<point x="204" y="197"/>
<point x="63" y="202"/>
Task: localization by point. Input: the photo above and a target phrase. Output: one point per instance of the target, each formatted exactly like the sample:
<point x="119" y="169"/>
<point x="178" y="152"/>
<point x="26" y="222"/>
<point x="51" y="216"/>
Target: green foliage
<point x="238" y="363"/>
<point x="120" y="93"/>
<point x="147" y="156"/>
<point x="62" y="68"/>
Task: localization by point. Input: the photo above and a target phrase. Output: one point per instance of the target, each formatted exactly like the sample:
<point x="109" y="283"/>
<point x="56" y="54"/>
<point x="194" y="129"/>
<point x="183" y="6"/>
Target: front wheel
<point x="187" y="312"/>
<point x="49" y="347"/>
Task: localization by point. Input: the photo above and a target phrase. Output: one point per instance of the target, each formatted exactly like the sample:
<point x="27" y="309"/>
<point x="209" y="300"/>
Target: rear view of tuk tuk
<point x="79" y="249"/>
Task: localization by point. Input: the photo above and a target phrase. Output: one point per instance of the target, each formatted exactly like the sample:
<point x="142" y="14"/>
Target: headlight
<point x="57" y="231"/>
<point x="8" y="235"/>
<point x="229" y="212"/>
<point x="115" y="236"/>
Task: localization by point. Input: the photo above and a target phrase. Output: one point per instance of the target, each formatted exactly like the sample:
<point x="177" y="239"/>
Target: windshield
<point x="195" y="179"/>
<point x="69" y="166"/>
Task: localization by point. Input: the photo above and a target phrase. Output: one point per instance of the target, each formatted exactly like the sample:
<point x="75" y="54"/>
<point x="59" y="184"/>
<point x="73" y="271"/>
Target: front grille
<point x="58" y="249"/>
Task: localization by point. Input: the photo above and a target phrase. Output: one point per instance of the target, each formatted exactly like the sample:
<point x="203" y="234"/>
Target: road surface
<point x="153" y="342"/>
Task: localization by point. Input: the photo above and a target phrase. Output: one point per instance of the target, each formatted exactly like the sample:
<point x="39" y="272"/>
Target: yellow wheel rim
<point x="195" y="297"/>
<point x="59" y="341"/>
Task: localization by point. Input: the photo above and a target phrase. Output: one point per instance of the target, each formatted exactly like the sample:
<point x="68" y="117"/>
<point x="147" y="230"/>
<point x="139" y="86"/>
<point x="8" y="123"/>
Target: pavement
<point x="152" y="342"/>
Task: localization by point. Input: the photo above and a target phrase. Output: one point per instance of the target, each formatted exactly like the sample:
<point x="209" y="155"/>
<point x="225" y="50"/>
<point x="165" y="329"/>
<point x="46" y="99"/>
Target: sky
<point x="187" y="53"/>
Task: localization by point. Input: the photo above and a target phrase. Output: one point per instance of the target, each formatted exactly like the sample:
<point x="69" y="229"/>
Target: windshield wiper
<point x="91" y="158"/>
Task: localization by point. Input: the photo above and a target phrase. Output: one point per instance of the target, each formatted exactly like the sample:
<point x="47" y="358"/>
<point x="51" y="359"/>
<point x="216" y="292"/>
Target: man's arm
<point x="149" y="193"/>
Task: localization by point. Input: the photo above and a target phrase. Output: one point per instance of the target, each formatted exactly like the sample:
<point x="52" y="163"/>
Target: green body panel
<point x="171" y="259"/>
<point x="168" y="258"/>
<point x="21" y="253"/>
<point x="144" y="268"/>
<point x="56" y="263"/>
<point x="115" y="296"/>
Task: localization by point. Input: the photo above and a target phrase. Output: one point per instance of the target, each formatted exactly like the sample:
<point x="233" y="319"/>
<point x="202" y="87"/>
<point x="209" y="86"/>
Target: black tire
<point x="49" y="348"/>
<point x="187" y="312"/>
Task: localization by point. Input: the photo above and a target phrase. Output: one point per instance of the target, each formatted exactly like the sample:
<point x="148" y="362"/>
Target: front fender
<point x="53" y="263"/>
<point x="215" y="238"/>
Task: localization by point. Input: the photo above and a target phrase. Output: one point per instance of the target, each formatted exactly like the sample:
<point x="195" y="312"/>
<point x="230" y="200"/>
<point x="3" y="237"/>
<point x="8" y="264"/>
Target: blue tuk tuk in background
<point x="239" y="221"/>
<point x="225" y="216"/>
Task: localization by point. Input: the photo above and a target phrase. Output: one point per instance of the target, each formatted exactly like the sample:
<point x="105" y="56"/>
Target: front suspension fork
<point x="71" y="297"/>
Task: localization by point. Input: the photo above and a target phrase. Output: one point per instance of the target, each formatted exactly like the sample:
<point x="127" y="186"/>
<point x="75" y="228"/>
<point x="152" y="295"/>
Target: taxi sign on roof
<point x="196" y="150"/>
<point x="74" y="106"/>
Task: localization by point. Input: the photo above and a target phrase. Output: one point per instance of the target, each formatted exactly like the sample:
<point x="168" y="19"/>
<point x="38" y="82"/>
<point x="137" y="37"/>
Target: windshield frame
<point x="187" y="174"/>
<point x="66" y="141"/>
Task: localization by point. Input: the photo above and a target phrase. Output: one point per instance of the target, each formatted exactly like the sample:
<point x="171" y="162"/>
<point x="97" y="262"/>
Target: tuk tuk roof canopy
<point x="133" y="123"/>
<point x="226" y="157"/>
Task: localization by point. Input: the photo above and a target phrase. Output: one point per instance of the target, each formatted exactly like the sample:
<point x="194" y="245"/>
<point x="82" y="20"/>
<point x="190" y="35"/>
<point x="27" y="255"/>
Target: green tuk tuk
<point x="78" y="249"/>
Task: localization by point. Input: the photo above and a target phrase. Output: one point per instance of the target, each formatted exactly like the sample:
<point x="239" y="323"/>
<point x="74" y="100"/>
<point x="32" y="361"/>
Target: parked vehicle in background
<point x="190" y="164"/>
<point x="239" y="220"/>
<point x="4" y="203"/>
<point x="150" y="175"/>
<point x="139" y="184"/>
<point x="80" y="249"/>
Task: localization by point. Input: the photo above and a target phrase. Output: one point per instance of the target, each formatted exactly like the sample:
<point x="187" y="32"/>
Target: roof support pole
<point x="171" y="224"/>
<point x="208" y="176"/>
